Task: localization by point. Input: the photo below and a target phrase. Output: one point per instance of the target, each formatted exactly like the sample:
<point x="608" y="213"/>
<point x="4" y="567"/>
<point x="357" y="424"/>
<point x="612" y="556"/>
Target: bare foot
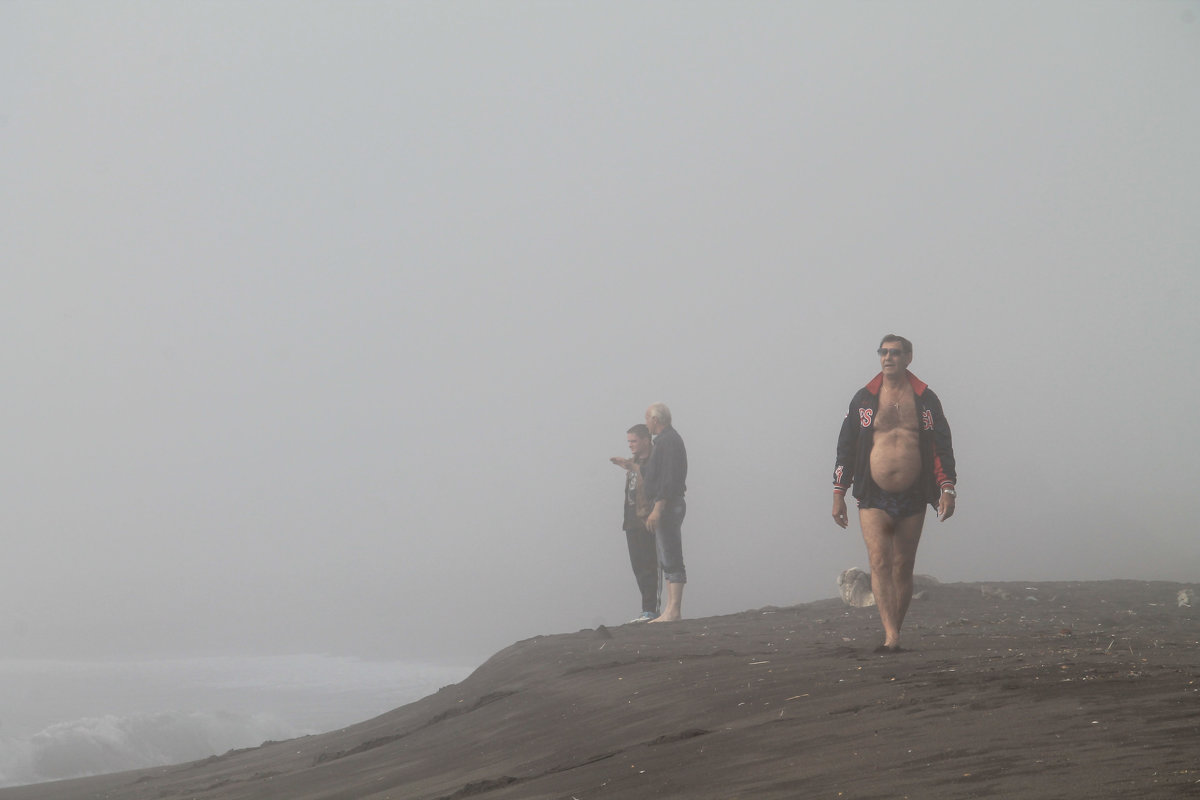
<point x="668" y="618"/>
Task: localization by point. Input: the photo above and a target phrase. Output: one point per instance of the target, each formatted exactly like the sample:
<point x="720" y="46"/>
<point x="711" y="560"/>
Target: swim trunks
<point x="908" y="503"/>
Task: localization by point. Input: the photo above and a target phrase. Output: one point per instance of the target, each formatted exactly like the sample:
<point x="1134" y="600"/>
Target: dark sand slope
<point x="1010" y="690"/>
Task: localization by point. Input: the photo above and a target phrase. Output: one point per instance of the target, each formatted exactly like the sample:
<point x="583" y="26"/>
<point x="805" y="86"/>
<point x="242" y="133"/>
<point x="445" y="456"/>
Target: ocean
<point x="68" y="719"/>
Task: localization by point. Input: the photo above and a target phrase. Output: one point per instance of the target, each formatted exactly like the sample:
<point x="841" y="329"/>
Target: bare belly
<point x="895" y="459"/>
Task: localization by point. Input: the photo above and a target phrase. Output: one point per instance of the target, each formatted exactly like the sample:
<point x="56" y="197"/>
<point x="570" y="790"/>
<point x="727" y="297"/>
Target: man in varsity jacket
<point x="895" y="450"/>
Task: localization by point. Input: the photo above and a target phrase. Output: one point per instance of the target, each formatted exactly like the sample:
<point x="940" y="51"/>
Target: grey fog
<point x="322" y="320"/>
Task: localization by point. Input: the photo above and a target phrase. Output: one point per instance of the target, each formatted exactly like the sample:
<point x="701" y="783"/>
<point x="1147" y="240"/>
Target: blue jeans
<point x="668" y="538"/>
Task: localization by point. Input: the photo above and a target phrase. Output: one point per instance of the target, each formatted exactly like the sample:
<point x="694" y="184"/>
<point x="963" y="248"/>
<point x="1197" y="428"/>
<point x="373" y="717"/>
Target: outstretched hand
<point x="623" y="463"/>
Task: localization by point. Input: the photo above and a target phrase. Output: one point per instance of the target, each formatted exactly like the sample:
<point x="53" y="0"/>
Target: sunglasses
<point x="890" y="351"/>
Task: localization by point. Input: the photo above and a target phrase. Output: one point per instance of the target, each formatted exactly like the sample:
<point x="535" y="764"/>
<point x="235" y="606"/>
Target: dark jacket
<point x="637" y="505"/>
<point x="666" y="471"/>
<point x="858" y="434"/>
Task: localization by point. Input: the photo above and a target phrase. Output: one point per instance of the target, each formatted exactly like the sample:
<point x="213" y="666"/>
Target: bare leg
<point x="674" y="611"/>
<point x="892" y="547"/>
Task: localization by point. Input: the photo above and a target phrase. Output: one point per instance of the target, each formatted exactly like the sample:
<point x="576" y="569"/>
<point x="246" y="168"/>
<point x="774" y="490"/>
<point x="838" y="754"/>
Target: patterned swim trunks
<point x="908" y="503"/>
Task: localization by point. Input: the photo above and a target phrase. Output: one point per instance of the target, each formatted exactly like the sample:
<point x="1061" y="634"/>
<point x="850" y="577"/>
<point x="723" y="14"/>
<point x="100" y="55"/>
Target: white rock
<point x="855" y="586"/>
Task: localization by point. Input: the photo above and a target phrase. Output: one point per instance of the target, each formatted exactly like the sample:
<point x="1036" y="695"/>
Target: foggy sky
<point x="321" y="320"/>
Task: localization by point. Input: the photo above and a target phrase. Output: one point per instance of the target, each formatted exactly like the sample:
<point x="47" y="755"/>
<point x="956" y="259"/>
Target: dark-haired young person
<point x="643" y="555"/>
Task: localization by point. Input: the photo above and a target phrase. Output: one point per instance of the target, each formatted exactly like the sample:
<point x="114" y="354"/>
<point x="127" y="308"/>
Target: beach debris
<point x="1185" y="598"/>
<point x="994" y="591"/>
<point x="855" y="586"/>
<point x="688" y="733"/>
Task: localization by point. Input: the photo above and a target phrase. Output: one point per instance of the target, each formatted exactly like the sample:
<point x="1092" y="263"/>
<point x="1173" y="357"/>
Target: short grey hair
<point x="660" y="412"/>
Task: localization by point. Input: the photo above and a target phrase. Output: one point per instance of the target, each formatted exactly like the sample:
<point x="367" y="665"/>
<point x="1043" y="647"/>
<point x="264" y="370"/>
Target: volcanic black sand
<point x="1007" y="690"/>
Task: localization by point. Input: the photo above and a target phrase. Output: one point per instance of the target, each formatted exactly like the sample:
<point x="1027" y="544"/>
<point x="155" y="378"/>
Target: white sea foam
<point x="66" y="719"/>
<point x="95" y="745"/>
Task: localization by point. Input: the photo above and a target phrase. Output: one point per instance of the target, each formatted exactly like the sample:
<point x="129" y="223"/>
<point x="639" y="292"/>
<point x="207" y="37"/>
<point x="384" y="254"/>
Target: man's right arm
<point x="843" y="468"/>
<point x="847" y="448"/>
<point x="655" y="515"/>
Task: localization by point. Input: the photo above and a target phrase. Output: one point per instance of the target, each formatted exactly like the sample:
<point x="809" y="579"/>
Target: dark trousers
<point x="643" y="557"/>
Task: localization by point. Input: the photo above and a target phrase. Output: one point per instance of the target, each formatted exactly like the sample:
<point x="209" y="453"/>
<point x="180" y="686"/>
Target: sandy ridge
<point x="1009" y="690"/>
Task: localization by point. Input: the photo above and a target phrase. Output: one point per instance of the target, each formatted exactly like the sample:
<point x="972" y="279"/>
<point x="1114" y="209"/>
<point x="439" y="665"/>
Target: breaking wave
<point x="96" y="745"/>
<point x="73" y="719"/>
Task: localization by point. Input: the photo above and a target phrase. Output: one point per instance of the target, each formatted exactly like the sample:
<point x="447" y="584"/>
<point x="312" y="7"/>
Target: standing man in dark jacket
<point x="643" y="554"/>
<point x="666" y="483"/>
<point x="895" y="449"/>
